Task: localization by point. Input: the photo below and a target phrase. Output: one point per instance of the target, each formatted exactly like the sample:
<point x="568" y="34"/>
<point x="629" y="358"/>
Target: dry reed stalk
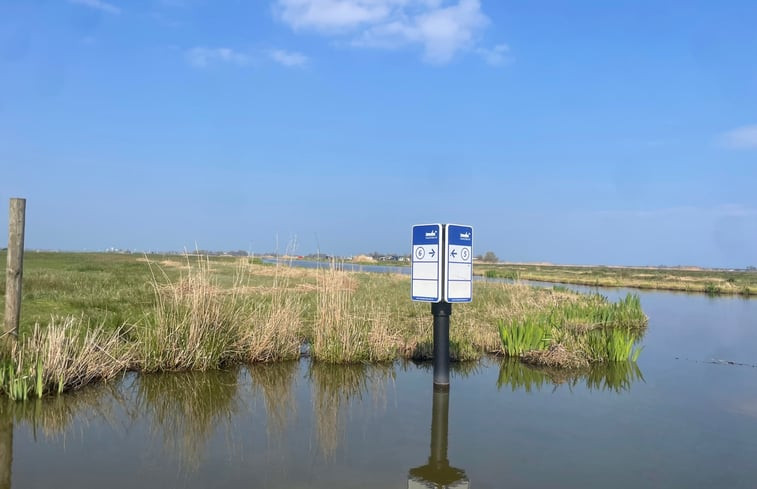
<point x="350" y="328"/>
<point x="71" y="355"/>
<point x="272" y="329"/>
<point x="195" y="326"/>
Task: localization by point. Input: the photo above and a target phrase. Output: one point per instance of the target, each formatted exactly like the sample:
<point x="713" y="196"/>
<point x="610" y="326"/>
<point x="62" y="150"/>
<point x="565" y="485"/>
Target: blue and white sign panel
<point x="427" y="263"/>
<point x="458" y="244"/>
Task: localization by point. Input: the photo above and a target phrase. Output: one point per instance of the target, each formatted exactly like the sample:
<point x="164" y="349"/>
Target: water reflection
<point x="437" y="472"/>
<point x="6" y="451"/>
<point x="187" y="408"/>
<point x="612" y="376"/>
<point x="275" y="381"/>
<point x="335" y="387"/>
<point x="457" y="370"/>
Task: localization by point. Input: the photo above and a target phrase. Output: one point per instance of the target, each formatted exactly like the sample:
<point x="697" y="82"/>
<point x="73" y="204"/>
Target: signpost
<point x="427" y="263"/>
<point x="442" y="273"/>
<point x="458" y="241"/>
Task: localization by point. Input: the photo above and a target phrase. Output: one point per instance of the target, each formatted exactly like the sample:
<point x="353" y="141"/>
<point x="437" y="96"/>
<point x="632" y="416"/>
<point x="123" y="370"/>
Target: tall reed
<point x="62" y="356"/>
<point x="195" y="324"/>
<point x="348" y="329"/>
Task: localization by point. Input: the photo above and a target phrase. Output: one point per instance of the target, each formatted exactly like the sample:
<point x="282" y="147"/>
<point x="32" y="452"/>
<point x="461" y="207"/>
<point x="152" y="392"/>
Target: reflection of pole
<point x="437" y="473"/>
<point x="6" y="450"/>
<point x="441" y="311"/>
<point x="439" y="425"/>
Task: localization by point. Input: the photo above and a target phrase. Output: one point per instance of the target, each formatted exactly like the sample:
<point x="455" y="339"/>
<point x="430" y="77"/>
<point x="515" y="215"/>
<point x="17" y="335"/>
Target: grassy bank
<point x="89" y="317"/>
<point x="708" y="281"/>
<point x="577" y="334"/>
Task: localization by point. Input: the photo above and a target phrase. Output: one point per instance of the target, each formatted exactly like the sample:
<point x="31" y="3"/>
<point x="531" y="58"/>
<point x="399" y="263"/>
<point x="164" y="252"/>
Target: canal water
<point x="683" y="417"/>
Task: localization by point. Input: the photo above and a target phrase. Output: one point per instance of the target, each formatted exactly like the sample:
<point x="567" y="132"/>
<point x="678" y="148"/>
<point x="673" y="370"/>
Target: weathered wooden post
<point x="15" y="268"/>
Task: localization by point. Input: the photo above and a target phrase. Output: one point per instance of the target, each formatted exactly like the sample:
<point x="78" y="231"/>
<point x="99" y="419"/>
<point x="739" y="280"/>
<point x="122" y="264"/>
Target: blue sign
<point x="426" y="271"/>
<point x="458" y="246"/>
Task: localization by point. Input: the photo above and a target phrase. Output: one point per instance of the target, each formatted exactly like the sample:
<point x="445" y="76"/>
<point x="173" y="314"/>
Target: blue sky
<point x="566" y="132"/>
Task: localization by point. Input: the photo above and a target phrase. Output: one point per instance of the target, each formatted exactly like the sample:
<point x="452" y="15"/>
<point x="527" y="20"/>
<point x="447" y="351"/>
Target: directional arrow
<point x="432" y="253"/>
<point x="453" y="253"/>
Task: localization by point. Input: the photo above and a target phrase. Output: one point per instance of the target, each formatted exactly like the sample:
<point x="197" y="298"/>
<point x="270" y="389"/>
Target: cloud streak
<point x="744" y="137"/>
<point x="98" y="5"/>
<point x="290" y="59"/>
<point x="442" y="29"/>
<point x="203" y="57"/>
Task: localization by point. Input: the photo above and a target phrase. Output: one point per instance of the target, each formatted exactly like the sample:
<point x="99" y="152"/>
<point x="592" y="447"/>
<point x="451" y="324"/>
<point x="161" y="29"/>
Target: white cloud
<point x="99" y="5"/>
<point x="330" y="15"/>
<point x="202" y="57"/>
<point x="744" y="137"/>
<point x="442" y="28"/>
<point x="290" y="59"/>
<point x="499" y="55"/>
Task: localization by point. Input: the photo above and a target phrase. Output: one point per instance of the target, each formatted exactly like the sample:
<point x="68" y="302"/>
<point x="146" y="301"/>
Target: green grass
<point x="593" y="330"/>
<point x="173" y="313"/>
<point x="521" y="336"/>
<point x="709" y="281"/>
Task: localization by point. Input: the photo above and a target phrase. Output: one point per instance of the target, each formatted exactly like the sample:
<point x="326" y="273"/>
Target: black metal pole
<point x="441" y="312"/>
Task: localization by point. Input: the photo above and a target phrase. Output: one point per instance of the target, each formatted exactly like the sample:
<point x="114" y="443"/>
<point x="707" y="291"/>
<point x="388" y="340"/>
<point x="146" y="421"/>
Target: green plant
<point x="711" y="289"/>
<point x="612" y="345"/>
<point x="519" y="337"/>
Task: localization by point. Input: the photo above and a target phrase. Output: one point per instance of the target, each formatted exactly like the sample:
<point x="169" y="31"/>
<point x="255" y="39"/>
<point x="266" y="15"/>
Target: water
<point x="676" y="421"/>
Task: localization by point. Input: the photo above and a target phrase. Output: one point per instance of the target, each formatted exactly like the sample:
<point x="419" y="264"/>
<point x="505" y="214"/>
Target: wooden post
<point x="15" y="268"/>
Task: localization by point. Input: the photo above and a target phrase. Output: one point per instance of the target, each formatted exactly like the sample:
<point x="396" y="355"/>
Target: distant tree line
<point x="488" y="257"/>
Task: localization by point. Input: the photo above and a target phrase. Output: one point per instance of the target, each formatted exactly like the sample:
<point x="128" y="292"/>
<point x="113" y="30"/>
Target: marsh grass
<point x="573" y="333"/>
<point x="194" y="326"/>
<point x="64" y="355"/>
<point x="272" y="322"/>
<point x="202" y="313"/>
<point x="521" y="336"/>
<point x="691" y="279"/>
<point x="612" y="345"/>
<point x="349" y="328"/>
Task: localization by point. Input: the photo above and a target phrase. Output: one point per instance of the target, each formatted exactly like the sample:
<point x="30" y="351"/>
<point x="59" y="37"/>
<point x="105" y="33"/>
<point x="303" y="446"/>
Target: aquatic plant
<point x="612" y="345"/>
<point x="521" y="336"/>
<point x="573" y="333"/>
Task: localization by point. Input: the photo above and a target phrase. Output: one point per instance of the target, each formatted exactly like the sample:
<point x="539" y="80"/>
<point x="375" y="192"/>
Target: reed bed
<point x="575" y="333"/>
<point x="63" y="356"/>
<point x="205" y="314"/>
<point x="193" y="327"/>
<point x="349" y="328"/>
